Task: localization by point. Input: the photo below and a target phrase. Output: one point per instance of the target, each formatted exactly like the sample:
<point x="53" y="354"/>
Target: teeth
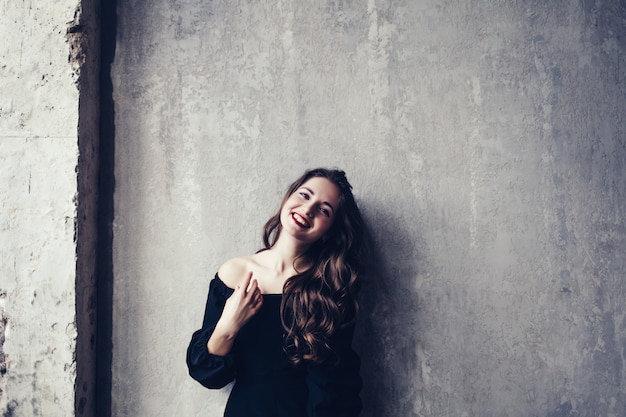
<point x="300" y="220"/>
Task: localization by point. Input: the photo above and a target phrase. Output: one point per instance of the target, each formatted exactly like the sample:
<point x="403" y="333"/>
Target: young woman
<point x="280" y="322"/>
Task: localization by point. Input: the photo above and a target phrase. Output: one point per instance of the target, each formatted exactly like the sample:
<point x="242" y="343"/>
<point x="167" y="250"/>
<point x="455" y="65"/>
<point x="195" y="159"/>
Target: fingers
<point x="244" y="289"/>
<point x="254" y="294"/>
<point x="249" y="289"/>
<point x="253" y="285"/>
<point x="246" y="282"/>
<point x="249" y="293"/>
<point x="256" y="301"/>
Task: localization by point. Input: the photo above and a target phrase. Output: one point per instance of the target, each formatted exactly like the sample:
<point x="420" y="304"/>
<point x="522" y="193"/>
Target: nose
<point x="308" y="210"/>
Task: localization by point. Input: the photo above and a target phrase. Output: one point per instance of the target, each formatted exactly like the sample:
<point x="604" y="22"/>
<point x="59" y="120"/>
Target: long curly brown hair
<point x="321" y="299"/>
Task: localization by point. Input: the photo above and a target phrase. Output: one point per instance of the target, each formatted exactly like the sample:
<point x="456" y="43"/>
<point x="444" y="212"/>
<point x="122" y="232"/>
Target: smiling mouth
<point x="300" y="220"/>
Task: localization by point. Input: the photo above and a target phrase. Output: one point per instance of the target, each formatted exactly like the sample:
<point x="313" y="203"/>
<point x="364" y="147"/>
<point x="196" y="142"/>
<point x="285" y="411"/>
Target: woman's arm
<point x="209" y="355"/>
<point x="212" y="371"/>
<point x="244" y="303"/>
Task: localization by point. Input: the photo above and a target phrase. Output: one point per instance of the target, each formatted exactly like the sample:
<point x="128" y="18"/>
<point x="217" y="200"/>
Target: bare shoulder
<point x="234" y="271"/>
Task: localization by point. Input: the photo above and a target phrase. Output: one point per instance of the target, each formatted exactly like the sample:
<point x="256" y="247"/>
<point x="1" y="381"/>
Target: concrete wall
<point x="485" y="141"/>
<point x="48" y="172"/>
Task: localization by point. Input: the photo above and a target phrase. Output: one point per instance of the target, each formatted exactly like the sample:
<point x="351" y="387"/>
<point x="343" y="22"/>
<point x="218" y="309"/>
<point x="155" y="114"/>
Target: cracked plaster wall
<point x="485" y="142"/>
<point x="42" y="161"/>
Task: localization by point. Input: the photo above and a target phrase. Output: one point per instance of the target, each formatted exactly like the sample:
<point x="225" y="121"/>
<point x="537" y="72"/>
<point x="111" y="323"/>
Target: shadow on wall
<point x="387" y="334"/>
<point x="106" y="215"/>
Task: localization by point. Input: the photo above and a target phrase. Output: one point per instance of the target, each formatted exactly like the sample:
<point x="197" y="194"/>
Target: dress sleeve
<point x="334" y="387"/>
<point x="212" y="371"/>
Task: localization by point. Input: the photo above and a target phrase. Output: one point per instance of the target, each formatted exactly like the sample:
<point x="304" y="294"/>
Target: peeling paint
<point x="38" y="155"/>
<point x="77" y="43"/>
<point x="9" y="411"/>
<point x="4" y="322"/>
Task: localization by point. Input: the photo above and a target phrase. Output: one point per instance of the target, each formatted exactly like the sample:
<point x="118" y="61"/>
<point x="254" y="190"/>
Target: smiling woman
<point x="308" y="213"/>
<point x="280" y="322"/>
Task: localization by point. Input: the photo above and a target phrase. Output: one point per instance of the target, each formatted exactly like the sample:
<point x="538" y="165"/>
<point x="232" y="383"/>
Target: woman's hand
<point x="244" y="303"/>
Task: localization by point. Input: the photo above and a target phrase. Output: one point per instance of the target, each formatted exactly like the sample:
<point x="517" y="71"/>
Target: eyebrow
<point x="323" y="202"/>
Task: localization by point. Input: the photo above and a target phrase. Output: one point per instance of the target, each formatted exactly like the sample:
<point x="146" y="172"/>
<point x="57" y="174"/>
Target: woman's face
<point x="309" y="212"/>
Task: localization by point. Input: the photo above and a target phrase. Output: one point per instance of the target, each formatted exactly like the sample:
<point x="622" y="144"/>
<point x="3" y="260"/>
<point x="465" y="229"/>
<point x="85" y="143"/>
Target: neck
<point x="286" y="250"/>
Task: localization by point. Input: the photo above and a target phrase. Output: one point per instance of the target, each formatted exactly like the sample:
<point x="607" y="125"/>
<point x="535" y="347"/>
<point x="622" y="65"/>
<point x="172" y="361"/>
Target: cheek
<point x="286" y="210"/>
<point x="284" y="214"/>
<point x="327" y="224"/>
<point x="289" y="204"/>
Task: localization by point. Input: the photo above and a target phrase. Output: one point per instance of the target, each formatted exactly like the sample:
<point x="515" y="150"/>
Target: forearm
<point x="244" y="303"/>
<point x="221" y="341"/>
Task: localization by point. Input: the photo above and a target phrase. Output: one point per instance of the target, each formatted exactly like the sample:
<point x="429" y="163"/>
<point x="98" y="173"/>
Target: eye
<point x="304" y="195"/>
<point x="325" y="212"/>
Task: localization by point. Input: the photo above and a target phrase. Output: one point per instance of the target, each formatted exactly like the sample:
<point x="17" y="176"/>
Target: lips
<point x="300" y="220"/>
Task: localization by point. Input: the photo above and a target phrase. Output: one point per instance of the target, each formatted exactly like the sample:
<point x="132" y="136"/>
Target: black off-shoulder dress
<point x="266" y="383"/>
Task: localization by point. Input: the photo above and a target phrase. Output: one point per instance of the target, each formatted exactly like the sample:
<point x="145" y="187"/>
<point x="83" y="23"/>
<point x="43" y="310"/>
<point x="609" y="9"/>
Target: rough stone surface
<point x="39" y="154"/>
<point x="38" y="272"/>
<point x="485" y="142"/>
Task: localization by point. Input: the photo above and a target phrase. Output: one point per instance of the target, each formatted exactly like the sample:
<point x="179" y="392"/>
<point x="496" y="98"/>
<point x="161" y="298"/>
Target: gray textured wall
<point x="485" y="141"/>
